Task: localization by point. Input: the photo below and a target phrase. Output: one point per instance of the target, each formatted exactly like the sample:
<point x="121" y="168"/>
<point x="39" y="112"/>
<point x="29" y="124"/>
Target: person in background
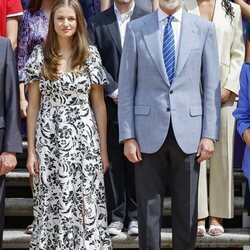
<point x="10" y="136"/>
<point x="10" y="11"/>
<point x="107" y="31"/>
<point x="93" y="7"/>
<point x="168" y="126"/>
<point x="67" y="151"/>
<point x="239" y="147"/>
<point x="146" y="5"/>
<point x="245" y="11"/>
<point x="33" y="31"/>
<point x="105" y="4"/>
<point x="228" y="25"/>
<point x="242" y="116"/>
<point x="25" y="4"/>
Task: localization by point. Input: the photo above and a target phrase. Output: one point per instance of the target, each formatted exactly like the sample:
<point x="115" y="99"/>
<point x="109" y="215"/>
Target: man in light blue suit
<point x="169" y="115"/>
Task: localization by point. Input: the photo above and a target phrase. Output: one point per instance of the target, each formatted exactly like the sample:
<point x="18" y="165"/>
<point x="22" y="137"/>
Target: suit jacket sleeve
<point x="127" y="86"/>
<point x="113" y="85"/>
<point x="237" y="54"/>
<point x="242" y="112"/>
<point x="12" y="135"/>
<point x="211" y="86"/>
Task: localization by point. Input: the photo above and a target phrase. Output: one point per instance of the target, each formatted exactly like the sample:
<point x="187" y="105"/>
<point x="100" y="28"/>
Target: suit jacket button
<point x="168" y="109"/>
<point x="171" y="92"/>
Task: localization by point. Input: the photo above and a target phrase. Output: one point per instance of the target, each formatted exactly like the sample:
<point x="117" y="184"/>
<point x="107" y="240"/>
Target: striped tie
<point x="168" y="50"/>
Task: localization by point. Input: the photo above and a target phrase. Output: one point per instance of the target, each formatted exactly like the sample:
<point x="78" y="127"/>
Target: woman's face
<point x="65" y="22"/>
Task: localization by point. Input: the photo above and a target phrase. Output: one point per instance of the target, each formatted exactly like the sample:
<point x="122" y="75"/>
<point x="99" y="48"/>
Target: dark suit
<point x="10" y="137"/>
<point x="90" y="7"/>
<point x="104" y="33"/>
<point x="25" y="4"/>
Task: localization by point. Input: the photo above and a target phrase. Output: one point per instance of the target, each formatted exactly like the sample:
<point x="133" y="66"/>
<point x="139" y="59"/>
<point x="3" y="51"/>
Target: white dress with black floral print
<point x="69" y="195"/>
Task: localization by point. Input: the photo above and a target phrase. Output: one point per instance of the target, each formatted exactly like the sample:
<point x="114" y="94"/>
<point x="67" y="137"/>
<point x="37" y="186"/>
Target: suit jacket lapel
<point x="187" y="37"/>
<point x="152" y="37"/>
<point x="111" y="21"/>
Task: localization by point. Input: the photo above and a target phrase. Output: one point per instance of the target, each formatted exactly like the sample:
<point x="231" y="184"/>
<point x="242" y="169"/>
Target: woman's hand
<point x="32" y="163"/>
<point x="246" y="137"/>
<point x="225" y="95"/>
<point x="23" y="107"/>
<point x="105" y="162"/>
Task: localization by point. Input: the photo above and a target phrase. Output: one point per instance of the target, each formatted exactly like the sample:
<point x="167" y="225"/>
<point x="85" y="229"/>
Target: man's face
<point x="170" y="4"/>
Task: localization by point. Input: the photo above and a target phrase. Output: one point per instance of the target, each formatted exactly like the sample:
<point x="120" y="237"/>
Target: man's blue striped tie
<point x="168" y="50"/>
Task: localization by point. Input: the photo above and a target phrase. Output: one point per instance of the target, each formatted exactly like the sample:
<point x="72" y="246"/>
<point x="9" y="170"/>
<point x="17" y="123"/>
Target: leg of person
<point x="131" y="198"/>
<point x="150" y="179"/>
<point x="184" y="192"/>
<point x="109" y="195"/>
<point x="117" y="177"/>
<point x="247" y="198"/>
<point x="239" y="149"/>
<point x="221" y="189"/>
<point x="202" y="199"/>
<point x="2" y="201"/>
<point x="29" y="228"/>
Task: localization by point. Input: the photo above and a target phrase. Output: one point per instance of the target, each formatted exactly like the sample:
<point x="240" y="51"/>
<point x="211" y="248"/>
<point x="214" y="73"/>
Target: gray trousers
<point x="168" y="166"/>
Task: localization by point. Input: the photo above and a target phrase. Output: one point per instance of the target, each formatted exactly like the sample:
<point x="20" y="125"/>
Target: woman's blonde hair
<point x="80" y="44"/>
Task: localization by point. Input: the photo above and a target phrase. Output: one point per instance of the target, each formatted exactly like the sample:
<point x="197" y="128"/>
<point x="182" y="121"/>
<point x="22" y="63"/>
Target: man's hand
<point x="205" y="149"/>
<point x="132" y="150"/>
<point x="7" y="162"/>
<point x="246" y="137"/>
<point x="116" y="100"/>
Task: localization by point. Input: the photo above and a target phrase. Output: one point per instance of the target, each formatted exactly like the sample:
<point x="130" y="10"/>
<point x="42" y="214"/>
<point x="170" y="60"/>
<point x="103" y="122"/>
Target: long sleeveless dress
<point x="69" y="195"/>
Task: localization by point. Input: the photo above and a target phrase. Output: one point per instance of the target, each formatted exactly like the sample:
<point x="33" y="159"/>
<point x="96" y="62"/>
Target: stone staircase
<point x="18" y="214"/>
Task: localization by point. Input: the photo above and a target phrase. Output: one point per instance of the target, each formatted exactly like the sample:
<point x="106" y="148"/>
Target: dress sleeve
<point x="33" y="66"/>
<point x="14" y="8"/>
<point x="96" y="71"/>
<point x="23" y="45"/>
<point x="242" y="112"/>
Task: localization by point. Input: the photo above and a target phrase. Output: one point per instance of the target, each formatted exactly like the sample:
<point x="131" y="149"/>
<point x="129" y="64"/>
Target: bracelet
<point x="23" y="100"/>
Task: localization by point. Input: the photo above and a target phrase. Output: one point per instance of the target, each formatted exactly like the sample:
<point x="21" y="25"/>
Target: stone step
<point x="238" y="176"/>
<point x="18" y="207"/>
<point x="23" y="206"/>
<point x="238" y="206"/>
<point x="20" y="177"/>
<point x="232" y="238"/>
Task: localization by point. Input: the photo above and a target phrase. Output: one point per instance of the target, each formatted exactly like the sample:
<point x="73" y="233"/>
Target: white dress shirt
<point x="122" y="20"/>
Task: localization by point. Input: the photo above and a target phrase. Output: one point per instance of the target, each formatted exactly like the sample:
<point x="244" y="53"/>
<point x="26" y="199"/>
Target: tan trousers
<point x="221" y="186"/>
